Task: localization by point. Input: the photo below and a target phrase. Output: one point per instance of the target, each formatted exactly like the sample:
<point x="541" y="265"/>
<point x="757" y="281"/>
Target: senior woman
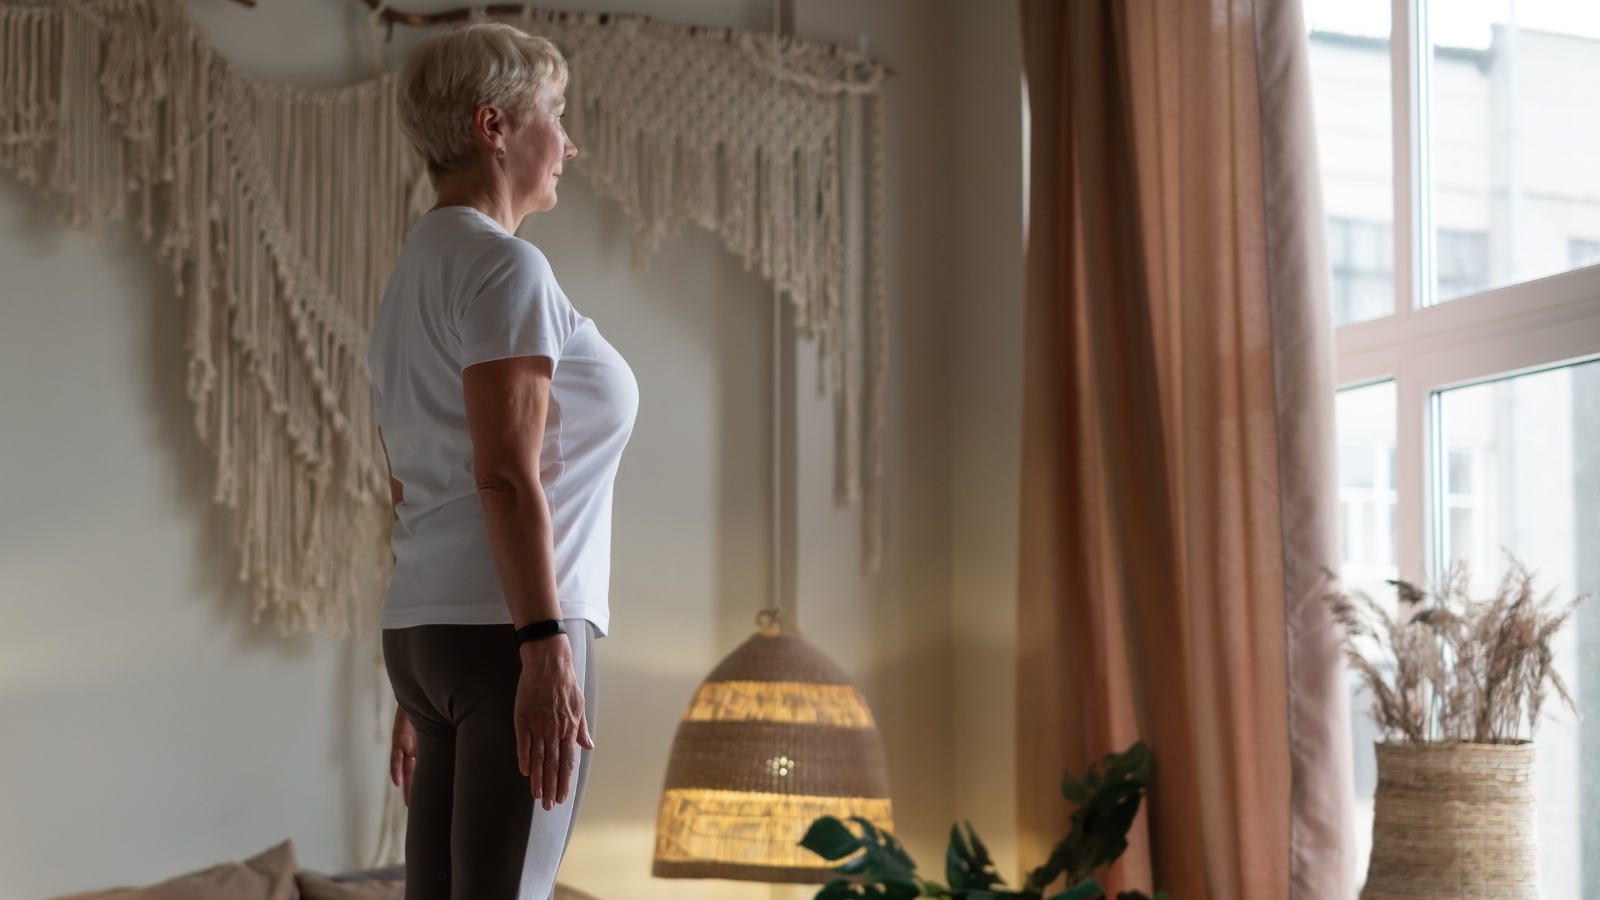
<point x="503" y="414"/>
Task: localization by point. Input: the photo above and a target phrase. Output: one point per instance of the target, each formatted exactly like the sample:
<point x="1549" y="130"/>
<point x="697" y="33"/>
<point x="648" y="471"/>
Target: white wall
<point x="149" y="728"/>
<point x="146" y="727"/>
<point x="986" y="423"/>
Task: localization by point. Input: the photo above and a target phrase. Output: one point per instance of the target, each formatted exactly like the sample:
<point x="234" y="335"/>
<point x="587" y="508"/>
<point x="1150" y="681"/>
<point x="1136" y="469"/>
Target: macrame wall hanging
<point x="280" y="212"/>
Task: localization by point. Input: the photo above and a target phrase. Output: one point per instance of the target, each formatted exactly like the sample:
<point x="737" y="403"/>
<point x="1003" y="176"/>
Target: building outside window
<point x="1362" y="254"/>
<point x="1464" y="134"/>
<point x="1462" y="262"/>
<point x="1582" y="253"/>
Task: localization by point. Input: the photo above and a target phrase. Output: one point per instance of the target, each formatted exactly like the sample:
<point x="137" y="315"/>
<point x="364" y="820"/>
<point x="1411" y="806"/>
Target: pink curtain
<point x="1178" y="494"/>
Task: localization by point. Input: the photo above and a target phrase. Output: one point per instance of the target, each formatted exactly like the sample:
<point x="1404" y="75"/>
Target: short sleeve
<point x="517" y="309"/>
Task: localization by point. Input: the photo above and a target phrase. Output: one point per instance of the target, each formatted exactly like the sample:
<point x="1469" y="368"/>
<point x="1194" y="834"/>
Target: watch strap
<point x="538" y="631"/>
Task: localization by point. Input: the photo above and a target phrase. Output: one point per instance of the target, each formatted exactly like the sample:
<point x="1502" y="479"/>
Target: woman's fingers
<point x="552" y="772"/>
<point x="584" y="739"/>
<point x="569" y="764"/>
<point x="402" y="752"/>
<point x="533" y="749"/>
<point x="524" y="752"/>
<point x="410" y="767"/>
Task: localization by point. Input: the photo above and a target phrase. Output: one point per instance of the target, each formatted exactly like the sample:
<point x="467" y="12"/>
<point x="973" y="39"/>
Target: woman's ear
<point x="489" y="126"/>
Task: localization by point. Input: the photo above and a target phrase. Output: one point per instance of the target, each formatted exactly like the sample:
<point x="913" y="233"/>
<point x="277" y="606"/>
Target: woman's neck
<point x="484" y="188"/>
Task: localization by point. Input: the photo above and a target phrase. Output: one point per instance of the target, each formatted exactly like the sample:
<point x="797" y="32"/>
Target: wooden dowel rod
<point x="462" y="14"/>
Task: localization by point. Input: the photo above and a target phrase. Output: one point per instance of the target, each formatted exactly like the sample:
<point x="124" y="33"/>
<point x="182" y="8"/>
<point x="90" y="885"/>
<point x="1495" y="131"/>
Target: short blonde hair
<point x="450" y="74"/>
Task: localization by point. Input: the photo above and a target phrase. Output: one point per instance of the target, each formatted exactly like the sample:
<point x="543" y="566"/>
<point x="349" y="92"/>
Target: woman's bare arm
<point x="403" y="739"/>
<point x="506" y="402"/>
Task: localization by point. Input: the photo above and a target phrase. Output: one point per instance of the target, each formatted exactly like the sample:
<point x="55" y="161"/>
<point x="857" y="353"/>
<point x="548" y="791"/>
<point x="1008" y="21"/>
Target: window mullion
<point x="1408" y="60"/>
<point x="1424" y="243"/>
<point x="1408" y="54"/>
<point x="1411" y="474"/>
<point x="1400" y="140"/>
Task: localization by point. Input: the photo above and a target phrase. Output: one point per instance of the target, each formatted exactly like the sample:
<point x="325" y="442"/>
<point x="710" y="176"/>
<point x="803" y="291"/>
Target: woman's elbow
<point x="507" y="488"/>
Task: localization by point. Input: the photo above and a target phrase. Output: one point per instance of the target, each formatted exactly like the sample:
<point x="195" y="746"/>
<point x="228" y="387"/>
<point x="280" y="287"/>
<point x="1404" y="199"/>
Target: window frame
<point x="1498" y="333"/>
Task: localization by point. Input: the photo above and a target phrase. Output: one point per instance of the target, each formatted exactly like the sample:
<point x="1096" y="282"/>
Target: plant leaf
<point x="882" y="858"/>
<point x="895" y="889"/>
<point x="837" y="889"/>
<point x="1083" y="890"/>
<point x="982" y="863"/>
<point x="854" y="867"/>
<point x="957" y="860"/>
<point x="1115" y="786"/>
<point x="967" y="864"/>
<point x="830" y="839"/>
<point x="1073" y="790"/>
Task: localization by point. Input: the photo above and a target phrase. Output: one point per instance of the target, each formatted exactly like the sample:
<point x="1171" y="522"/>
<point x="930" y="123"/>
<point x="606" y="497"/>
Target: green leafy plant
<point x="1107" y="800"/>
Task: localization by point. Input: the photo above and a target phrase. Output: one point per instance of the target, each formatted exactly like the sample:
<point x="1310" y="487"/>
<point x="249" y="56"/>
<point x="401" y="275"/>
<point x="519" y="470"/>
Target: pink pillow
<point x="268" y="876"/>
<point x="315" y="887"/>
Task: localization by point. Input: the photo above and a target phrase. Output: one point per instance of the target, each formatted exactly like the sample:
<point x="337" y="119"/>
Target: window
<point x="1583" y="253"/>
<point x="1511" y="135"/>
<point x="1362" y="253"/>
<point x="1366" y="484"/>
<point x="1464" y="134"/>
<point x="1350" y="84"/>
<point x="1462" y="261"/>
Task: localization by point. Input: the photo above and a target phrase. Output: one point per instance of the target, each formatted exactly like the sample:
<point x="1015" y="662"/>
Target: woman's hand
<point x="550" y="719"/>
<point x="402" y="753"/>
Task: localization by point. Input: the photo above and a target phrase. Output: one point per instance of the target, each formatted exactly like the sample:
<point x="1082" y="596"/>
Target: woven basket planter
<point x="1454" y="821"/>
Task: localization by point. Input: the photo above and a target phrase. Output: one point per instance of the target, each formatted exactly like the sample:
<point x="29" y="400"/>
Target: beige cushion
<point x="269" y="876"/>
<point x="315" y="887"/>
<point x="272" y="876"/>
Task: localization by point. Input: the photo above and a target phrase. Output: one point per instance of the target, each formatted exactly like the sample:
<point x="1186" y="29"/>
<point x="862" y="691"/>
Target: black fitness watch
<point x="538" y="631"/>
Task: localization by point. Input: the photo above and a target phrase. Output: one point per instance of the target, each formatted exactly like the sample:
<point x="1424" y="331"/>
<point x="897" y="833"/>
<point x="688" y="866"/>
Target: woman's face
<point x="535" y="151"/>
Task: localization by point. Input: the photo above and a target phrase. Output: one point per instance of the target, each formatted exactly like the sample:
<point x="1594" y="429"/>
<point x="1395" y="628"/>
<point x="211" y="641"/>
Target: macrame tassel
<point x="680" y="125"/>
<point x="877" y="343"/>
<point x="87" y="170"/>
<point x="30" y="88"/>
<point x="852" y="258"/>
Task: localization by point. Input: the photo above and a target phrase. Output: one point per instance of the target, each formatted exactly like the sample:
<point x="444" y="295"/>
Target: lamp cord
<point x="775" y="601"/>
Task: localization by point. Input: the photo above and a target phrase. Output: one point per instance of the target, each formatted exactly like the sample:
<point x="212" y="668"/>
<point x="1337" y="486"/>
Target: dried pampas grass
<point x="1451" y="668"/>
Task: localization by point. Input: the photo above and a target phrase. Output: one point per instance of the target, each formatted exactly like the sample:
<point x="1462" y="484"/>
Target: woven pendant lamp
<point x="775" y="737"/>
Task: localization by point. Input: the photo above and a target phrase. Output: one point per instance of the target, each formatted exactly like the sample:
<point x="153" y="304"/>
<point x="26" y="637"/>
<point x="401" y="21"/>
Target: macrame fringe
<point x="280" y="212"/>
<point x="676" y="123"/>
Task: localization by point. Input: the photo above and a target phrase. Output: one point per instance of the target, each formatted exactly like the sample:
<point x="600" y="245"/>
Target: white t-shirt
<point x="463" y="292"/>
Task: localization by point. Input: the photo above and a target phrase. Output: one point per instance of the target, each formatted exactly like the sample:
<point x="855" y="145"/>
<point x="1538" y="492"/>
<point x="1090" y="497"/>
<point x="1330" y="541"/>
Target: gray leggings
<point x="473" y="831"/>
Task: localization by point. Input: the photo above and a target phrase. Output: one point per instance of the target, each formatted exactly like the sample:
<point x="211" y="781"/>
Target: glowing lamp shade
<point x="775" y="737"/>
